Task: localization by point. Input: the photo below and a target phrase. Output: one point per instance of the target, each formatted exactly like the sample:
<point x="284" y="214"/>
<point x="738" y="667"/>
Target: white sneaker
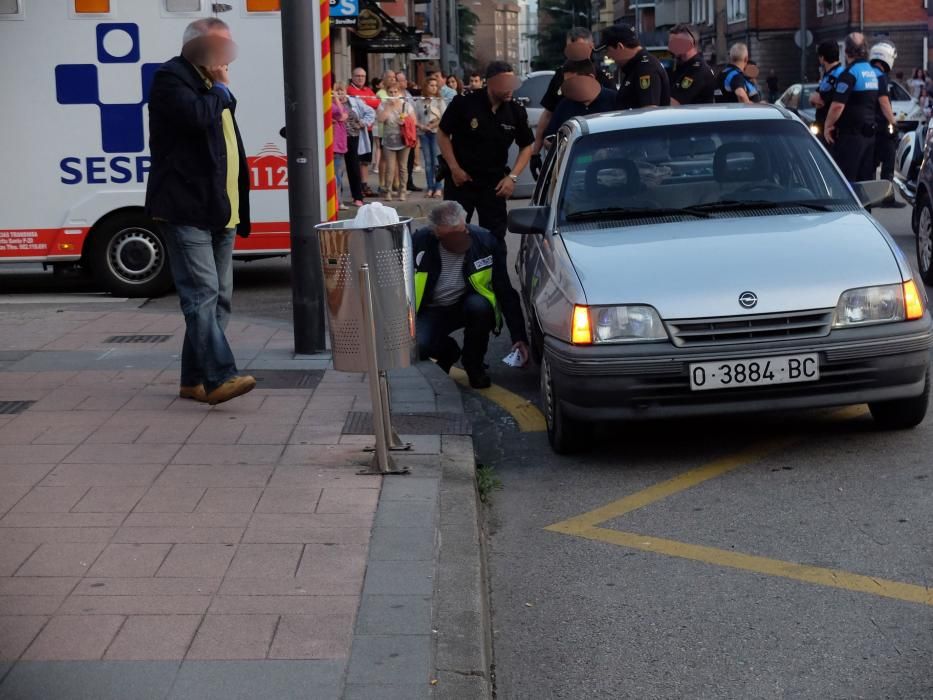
<point x="418" y="169"/>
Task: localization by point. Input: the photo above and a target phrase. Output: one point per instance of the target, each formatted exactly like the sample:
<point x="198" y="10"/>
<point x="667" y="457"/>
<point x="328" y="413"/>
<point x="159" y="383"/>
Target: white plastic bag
<point x="375" y="215"/>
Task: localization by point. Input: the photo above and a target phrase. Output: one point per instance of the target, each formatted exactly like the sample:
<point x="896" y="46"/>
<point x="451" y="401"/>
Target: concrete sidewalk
<point x="152" y="547"/>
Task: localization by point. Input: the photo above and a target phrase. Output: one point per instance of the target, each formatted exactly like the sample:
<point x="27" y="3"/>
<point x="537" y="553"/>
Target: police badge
<point x="644" y="82"/>
<point x="686" y="83"/>
<point x="474" y="123"/>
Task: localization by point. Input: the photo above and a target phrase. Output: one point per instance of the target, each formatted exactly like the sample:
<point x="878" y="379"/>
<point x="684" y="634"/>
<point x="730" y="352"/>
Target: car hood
<point x="696" y="269"/>
<point x="906" y="109"/>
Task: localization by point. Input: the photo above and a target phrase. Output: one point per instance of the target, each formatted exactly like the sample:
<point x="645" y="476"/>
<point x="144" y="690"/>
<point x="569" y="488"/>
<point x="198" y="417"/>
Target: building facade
<point x="498" y="31"/>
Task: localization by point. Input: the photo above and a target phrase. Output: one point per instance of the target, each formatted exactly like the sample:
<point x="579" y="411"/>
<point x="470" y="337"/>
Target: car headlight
<point x="616" y="324"/>
<point x="883" y="304"/>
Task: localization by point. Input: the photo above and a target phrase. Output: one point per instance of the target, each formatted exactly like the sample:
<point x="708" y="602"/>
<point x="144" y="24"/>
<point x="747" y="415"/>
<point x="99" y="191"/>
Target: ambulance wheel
<point x="128" y="256"/>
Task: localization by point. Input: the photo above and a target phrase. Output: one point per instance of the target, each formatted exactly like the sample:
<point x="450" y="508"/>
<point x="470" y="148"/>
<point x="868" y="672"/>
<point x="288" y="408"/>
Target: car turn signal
<point x="913" y="303"/>
<point x="581" y="334"/>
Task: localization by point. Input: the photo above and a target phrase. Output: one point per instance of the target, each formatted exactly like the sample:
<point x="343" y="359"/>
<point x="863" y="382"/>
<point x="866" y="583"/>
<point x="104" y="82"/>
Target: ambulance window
<point x="11" y="9"/>
<point x="92" y="7"/>
<point x="182" y="5"/>
<point x="262" y="5"/>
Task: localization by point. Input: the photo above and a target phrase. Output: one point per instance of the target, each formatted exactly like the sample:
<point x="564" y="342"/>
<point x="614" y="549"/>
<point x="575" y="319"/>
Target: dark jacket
<point x="428" y="261"/>
<point x="188" y="176"/>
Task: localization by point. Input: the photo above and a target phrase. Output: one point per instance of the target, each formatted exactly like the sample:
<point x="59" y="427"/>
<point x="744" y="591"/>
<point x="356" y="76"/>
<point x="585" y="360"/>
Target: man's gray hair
<point x="577" y="33"/>
<point x="738" y="52"/>
<point x="202" y="27"/>
<point x="856" y="46"/>
<point x="449" y="213"/>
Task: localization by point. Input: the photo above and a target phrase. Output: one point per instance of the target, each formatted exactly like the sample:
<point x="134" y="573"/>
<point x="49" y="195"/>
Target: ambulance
<point x="75" y="78"/>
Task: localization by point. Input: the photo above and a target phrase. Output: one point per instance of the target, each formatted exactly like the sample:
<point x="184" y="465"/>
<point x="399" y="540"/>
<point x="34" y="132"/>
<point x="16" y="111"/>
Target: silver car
<point x="701" y="260"/>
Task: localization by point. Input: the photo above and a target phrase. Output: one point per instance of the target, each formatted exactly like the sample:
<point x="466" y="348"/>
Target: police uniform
<point x="643" y="82"/>
<point x="730" y="79"/>
<point x="481" y="139"/>
<point x="693" y="82"/>
<point x="825" y="90"/>
<point x="853" y="149"/>
<point x="885" y="143"/>
<point x="553" y="96"/>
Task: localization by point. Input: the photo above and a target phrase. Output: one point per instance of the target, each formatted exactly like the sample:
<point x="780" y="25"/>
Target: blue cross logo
<point x="121" y="125"/>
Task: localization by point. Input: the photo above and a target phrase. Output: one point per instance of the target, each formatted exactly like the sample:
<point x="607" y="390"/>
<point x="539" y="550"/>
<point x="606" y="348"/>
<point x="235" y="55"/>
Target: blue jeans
<point x="202" y="265"/>
<point x="340" y="170"/>
<point x="429" y="153"/>
<point x="434" y="324"/>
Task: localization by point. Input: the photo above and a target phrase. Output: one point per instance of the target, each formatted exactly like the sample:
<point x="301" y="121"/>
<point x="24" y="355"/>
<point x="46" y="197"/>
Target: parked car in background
<point x="532" y="89"/>
<point x="908" y="161"/>
<point x="921" y="191"/>
<point x="713" y="260"/>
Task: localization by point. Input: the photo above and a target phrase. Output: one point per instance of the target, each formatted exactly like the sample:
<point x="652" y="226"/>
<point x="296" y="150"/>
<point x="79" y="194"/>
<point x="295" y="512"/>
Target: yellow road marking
<point x="525" y="413"/>
<point x="585" y="526"/>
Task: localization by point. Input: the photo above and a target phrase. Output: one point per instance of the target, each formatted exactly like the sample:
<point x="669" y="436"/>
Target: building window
<point x="829" y="7"/>
<point x="736" y="10"/>
<point x="840" y="6"/>
<point x="699" y="12"/>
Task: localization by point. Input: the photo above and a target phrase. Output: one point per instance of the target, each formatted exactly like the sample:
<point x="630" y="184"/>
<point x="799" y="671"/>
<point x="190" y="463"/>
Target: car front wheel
<point x="925" y="240"/>
<point x="902" y="414"/>
<point x="565" y="435"/>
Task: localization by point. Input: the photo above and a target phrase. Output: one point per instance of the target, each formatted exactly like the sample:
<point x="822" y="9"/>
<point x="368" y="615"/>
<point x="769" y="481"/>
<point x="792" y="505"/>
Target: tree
<point x="555" y="19"/>
<point x="466" y="21"/>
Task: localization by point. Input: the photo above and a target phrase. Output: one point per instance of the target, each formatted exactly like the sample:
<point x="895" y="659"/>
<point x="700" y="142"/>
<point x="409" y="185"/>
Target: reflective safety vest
<point x="481" y="281"/>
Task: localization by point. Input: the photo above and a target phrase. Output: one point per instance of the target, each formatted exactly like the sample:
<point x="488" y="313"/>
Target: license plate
<point x="760" y="371"/>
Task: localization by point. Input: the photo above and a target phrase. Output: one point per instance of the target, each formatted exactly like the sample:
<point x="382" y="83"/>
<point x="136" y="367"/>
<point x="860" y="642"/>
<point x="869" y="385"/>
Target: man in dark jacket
<point x="461" y="281"/>
<point x="198" y="193"/>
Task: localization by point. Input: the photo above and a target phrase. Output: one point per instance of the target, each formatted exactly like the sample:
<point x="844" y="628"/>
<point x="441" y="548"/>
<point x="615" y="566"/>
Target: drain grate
<point x="287" y="378"/>
<point x="361" y="423"/>
<point x="138" y="338"/>
<point x="10" y="408"/>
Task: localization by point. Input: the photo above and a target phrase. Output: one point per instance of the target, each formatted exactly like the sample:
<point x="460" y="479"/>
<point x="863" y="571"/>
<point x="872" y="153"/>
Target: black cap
<point x="496" y="68"/>
<point x="617" y="34"/>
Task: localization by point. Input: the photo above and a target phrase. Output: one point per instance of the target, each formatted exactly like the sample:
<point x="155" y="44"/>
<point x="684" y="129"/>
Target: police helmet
<point x="884" y="52"/>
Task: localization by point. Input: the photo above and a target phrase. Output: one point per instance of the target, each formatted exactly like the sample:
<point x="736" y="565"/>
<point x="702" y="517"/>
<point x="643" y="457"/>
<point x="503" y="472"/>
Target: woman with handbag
<point x="430" y="111"/>
<point x="396" y="117"/>
<point x="360" y="117"/>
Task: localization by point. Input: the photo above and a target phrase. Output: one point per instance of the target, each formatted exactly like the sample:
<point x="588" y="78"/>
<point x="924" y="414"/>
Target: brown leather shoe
<point x="230" y="389"/>
<point x="196" y="393"/>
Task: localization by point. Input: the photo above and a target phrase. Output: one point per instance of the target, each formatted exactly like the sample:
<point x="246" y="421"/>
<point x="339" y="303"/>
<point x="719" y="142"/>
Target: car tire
<point x="925" y="239"/>
<point x="902" y="414"/>
<point x="565" y="435"/>
<point x="127" y="255"/>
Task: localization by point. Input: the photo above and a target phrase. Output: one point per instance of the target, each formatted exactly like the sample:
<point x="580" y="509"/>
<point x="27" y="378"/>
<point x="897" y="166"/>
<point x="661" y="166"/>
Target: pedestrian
<point x="198" y="194"/>
<point x="640" y="78"/>
<point x="476" y="82"/>
<point x="774" y="92"/>
<point x="850" y="121"/>
<point x="409" y="93"/>
<point x="577" y="47"/>
<point x="731" y="83"/>
<point x="452" y="88"/>
<point x="391" y="115"/>
<point x="827" y="54"/>
<point x="474" y="137"/>
<point x="582" y="94"/>
<point x="429" y="111"/>
<point x="360" y="116"/>
<point x="462" y="281"/>
<point x="359" y="89"/>
<point x="882" y="57"/>
<point x="339" y="115"/>
<point x="917" y="83"/>
<point x="388" y="80"/>
<point x="692" y="80"/>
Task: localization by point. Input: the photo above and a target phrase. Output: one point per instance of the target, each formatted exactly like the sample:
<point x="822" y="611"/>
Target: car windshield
<point x="698" y="169"/>
<point x="897" y="93"/>
<point x="532" y="89"/>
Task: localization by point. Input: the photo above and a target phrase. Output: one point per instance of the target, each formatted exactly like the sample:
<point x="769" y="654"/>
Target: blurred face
<point x="430" y="87"/>
<point x="341" y="92"/>
<point x="476" y="82"/>
<point x="580" y="88"/>
<point x="388" y="77"/>
<point x="501" y="86"/>
<point x="620" y="54"/>
<point x="393" y="91"/>
<point x="578" y="49"/>
<point x="456" y="239"/>
<point x="401" y="78"/>
<point x="216" y="48"/>
<point x="452" y="82"/>
<point x="680" y="45"/>
<point x="359" y="77"/>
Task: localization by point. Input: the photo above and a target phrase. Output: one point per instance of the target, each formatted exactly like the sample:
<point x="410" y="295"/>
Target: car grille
<point x="695" y="332"/>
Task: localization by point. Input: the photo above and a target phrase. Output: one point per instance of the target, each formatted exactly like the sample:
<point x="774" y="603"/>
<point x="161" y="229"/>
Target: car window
<point x="694" y="165"/>
<point x="896" y="92"/>
<point x="560" y="153"/>
<point x="791" y="97"/>
<point x="532" y="89"/>
<point x="541" y="185"/>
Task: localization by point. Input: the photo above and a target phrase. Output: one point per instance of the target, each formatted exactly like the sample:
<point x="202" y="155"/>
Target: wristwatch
<point x="514" y="178"/>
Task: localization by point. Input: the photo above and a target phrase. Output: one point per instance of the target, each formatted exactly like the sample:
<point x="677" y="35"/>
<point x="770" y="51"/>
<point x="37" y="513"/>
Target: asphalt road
<point x="644" y="600"/>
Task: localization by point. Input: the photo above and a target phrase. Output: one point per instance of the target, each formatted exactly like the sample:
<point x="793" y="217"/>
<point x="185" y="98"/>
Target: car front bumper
<point x="651" y="380"/>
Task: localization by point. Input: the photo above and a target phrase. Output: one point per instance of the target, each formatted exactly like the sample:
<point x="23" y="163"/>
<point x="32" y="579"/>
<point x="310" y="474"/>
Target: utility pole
<point x="803" y="40"/>
<point x="722" y="52"/>
<point x="442" y="18"/>
<point x="301" y="56"/>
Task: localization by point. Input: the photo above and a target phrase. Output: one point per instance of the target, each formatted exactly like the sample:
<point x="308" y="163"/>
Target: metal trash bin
<point x="387" y="252"/>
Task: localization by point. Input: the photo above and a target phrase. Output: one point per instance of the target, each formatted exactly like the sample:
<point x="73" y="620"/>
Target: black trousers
<point x="434" y="324"/>
<point x="481" y="198"/>
<point x="885" y="149"/>
<point x="411" y="168"/>
<point x="855" y="155"/>
<point x="352" y="160"/>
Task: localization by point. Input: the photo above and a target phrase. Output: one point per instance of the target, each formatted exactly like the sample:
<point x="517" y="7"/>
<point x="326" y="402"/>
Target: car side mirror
<point x="528" y="220"/>
<point x="871" y="193"/>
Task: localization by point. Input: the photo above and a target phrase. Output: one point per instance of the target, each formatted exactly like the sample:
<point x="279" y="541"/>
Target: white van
<point x="75" y="76"/>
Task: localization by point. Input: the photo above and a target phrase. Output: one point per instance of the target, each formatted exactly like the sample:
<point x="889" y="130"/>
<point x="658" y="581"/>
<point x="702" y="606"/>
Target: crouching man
<point x="461" y="281"/>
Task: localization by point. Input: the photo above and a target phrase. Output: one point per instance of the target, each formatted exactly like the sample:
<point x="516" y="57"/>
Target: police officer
<point x="882" y="57"/>
<point x="850" y="122"/>
<point x="474" y="138"/>
<point x="641" y="79"/>
<point x="731" y="83"/>
<point x="692" y="81"/>
<point x="751" y="77"/>
<point x="827" y="53"/>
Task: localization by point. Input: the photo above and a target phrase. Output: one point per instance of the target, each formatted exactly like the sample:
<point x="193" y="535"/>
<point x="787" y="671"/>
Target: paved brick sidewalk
<point x="156" y="539"/>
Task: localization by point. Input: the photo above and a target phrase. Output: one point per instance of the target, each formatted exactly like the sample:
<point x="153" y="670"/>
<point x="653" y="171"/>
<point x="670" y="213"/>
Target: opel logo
<point x="748" y="300"/>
